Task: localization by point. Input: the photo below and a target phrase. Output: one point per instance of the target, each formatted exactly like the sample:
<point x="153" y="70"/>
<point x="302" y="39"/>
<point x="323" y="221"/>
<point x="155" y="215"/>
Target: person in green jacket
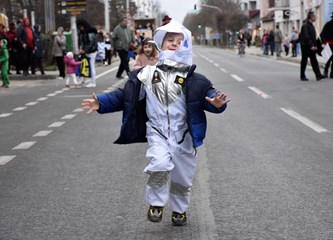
<point x="4" y="63"/>
<point x="122" y="37"/>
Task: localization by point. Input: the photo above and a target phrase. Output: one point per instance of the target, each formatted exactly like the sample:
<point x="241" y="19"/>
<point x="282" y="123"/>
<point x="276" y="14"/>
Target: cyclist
<point x="241" y="42"/>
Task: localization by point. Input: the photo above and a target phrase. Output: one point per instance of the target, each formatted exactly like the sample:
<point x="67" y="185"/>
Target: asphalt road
<point x="264" y="171"/>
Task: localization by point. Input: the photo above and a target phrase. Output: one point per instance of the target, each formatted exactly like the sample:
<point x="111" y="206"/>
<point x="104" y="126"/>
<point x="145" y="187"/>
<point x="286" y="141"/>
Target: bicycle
<point x="241" y="49"/>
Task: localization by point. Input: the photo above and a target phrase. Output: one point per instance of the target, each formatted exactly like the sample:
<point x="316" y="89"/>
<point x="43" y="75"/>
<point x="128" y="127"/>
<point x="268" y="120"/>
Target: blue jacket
<point x="133" y="129"/>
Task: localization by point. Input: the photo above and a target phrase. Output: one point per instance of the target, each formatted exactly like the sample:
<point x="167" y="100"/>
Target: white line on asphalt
<point x="24" y="145"/>
<point x="3" y="115"/>
<point x="56" y="124"/>
<point x="51" y="94"/>
<point x="316" y="127"/>
<point x="237" y="78"/>
<point x="68" y="116"/>
<point x="110" y="88"/>
<point x="19" y="108"/>
<point x="75" y="96"/>
<point x="78" y="110"/>
<point x="106" y="72"/>
<point x="31" y="103"/>
<point x="216" y="64"/>
<point x="106" y="91"/>
<point x="58" y="92"/>
<point x="42" y="133"/>
<point x="259" y="92"/>
<point x="41" y="99"/>
<point x="223" y="70"/>
<point x="6" y="159"/>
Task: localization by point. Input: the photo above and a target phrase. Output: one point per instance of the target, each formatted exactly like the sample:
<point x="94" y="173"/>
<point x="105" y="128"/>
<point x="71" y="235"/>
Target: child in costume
<point x="4" y="63"/>
<point x="164" y="105"/>
<point x="146" y="55"/>
<point x="71" y="66"/>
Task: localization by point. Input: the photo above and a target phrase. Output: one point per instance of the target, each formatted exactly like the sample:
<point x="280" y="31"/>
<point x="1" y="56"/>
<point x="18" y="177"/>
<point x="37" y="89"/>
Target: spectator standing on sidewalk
<point x="271" y="41"/>
<point x="59" y="48"/>
<point x="286" y="44"/>
<point x="327" y="38"/>
<point x="293" y="42"/>
<point x="265" y="43"/>
<point x="38" y="52"/>
<point x="278" y="38"/>
<point x="122" y="37"/>
<point x="12" y="47"/>
<point x="4" y="63"/>
<point x="26" y="41"/>
<point x="308" y="39"/>
<point x="88" y="47"/>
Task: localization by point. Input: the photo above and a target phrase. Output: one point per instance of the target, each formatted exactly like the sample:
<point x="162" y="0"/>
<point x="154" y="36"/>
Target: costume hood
<point x="184" y="53"/>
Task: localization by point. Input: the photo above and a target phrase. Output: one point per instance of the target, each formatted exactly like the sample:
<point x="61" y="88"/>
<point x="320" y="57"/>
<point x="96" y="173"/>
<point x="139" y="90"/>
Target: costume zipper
<point x="167" y="101"/>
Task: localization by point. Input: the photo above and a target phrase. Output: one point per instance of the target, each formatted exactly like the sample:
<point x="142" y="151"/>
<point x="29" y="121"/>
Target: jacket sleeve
<point x="111" y="102"/>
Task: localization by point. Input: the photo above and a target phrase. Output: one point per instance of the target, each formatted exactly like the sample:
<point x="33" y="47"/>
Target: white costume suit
<point x="172" y="158"/>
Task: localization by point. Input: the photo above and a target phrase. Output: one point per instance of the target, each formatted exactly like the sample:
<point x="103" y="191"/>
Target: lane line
<point x="31" y="103"/>
<point x="24" y="145"/>
<point x="259" y="92"/>
<point x="106" y="72"/>
<point x="3" y="115"/>
<point x="68" y="116"/>
<point x="41" y="99"/>
<point x="57" y="124"/>
<point x="223" y="70"/>
<point x="19" y="108"/>
<point x="78" y="110"/>
<point x="237" y="78"/>
<point x="51" y="94"/>
<point x="43" y="133"/>
<point x="6" y="159"/>
<point x="314" y="126"/>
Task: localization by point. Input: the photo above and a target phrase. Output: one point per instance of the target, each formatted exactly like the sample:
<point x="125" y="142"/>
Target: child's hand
<point x="218" y="101"/>
<point x="92" y="104"/>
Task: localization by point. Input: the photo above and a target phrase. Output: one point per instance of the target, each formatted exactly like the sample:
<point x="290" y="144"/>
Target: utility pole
<point x="49" y="15"/>
<point x="106" y="16"/>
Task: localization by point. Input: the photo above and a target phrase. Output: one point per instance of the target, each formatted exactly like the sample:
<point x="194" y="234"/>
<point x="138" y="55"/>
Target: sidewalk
<point x="257" y="51"/>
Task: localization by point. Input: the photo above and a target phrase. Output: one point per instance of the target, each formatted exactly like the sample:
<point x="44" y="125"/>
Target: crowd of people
<point x="29" y="50"/>
<point x="308" y="43"/>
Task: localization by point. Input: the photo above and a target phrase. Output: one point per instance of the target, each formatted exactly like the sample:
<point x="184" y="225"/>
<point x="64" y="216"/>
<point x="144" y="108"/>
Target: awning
<point x="268" y="17"/>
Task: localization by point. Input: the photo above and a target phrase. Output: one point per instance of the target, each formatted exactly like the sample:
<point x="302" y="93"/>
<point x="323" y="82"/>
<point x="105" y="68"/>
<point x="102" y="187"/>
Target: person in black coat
<point x="39" y="51"/>
<point x="308" y="39"/>
<point x="327" y="38"/>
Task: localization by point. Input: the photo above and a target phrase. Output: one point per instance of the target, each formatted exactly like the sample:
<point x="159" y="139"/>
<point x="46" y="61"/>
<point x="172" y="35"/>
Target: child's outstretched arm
<point x="91" y="104"/>
<point x="218" y="100"/>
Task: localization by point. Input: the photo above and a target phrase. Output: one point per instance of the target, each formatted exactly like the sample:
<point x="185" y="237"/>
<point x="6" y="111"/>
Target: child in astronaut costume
<point x="164" y="105"/>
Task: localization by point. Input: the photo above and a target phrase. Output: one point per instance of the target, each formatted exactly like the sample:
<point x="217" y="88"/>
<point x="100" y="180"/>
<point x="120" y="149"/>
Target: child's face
<point x="148" y="49"/>
<point x="172" y="41"/>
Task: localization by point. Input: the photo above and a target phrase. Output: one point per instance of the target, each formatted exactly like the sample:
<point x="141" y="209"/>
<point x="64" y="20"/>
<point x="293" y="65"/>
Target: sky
<point x="177" y="9"/>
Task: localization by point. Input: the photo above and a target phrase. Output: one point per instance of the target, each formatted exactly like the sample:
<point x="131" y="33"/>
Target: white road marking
<point x="68" y="116"/>
<point x="6" y="159"/>
<point x="304" y="120"/>
<point x="3" y="115"/>
<point x="19" y="108"/>
<point x="56" y="124"/>
<point x="24" y="145"/>
<point x="80" y="96"/>
<point x="216" y="64"/>
<point x="41" y="99"/>
<point x="223" y="70"/>
<point x="51" y="95"/>
<point x="31" y="103"/>
<point x="259" y="92"/>
<point x="106" y="91"/>
<point x="58" y="92"/>
<point x="110" y="88"/>
<point x="42" y="133"/>
<point x="78" y="110"/>
<point x="237" y="78"/>
<point x="106" y="72"/>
